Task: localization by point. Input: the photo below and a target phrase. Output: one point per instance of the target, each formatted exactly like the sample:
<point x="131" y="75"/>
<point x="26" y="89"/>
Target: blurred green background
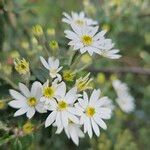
<point x="127" y="23"/>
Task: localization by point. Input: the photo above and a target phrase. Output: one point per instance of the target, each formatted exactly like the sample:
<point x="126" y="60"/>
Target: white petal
<point x="88" y="126"/>
<point x="100" y="122"/>
<point x="30" y="112"/>
<point x="58" y="120"/>
<point x="71" y="95"/>
<point x="16" y="95"/>
<point x="36" y="89"/>
<point x="50" y="119"/>
<point x="45" y="64"/>
<point x="61" y="90"/>
<point x="21" y="111"/>
<point x="64" y="118"/>
<point x="94" y="97"/>
<point x="95" y="127"/>
<point x="25" y="91"/>
<point x="74" y="136"/>
<point x="17" y="104"/>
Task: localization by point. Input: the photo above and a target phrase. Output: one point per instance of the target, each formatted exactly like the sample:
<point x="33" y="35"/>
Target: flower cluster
<point x="85" y="36"/>
<point x="70" y="108"/>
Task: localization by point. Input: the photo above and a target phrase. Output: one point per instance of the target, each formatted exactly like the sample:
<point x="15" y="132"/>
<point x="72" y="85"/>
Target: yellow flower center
<point x="32" y="101"/>
<point x="87" y="40"/>
<point x="62" y="105"/>
<point x="79" y="22"/>
<point x="90" y="111"/>
<point x="49" y="92"/>
<point x="22" y="66"/>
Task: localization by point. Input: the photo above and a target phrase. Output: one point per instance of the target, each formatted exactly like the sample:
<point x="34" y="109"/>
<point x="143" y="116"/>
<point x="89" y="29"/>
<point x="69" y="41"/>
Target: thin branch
<point x="136" y="70"/>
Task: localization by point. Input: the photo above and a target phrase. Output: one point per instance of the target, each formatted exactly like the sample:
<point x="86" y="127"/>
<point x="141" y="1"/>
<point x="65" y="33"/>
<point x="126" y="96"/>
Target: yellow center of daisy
<point x="62" y="105"/>
<point x="32" y="101"/>
<point x="49" y="92"/>
<point x="79" y="22"/>
<point x="90" y="111"/>
<point x="87" y="40"/>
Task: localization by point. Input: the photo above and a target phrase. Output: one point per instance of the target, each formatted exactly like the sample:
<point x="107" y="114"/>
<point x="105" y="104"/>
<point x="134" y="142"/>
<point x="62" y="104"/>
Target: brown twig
<point x="135" y="70"/>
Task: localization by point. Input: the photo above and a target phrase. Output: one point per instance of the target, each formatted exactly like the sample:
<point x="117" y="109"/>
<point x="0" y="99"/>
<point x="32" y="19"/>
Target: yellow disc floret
<point x="49" y="92"/>
<point x="90" y="111"/>
<point x="21" y="66"/>
<point x="87" y="40"/>
<point x="32" y="101"/>
<point x="62" y="105"/>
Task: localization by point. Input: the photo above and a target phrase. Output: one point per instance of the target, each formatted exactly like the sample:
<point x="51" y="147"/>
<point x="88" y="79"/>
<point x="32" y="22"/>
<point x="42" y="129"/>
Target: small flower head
<point x="51" y="31"/>
<point x="37" y="30"/>
<point x="2" y="104"/>
<point x="101" y="78"/>
<point x="27" y="101"/>
<point x="68" y="75"/>
<point x="22" y="66"/>
<point x="83" y="83"/>
<point x="28" y="128"/>
<point x="86" y="39"/>
<point x="53" y="44"/>
<point x="86" y="59"/>
<point x="94" y="110"/>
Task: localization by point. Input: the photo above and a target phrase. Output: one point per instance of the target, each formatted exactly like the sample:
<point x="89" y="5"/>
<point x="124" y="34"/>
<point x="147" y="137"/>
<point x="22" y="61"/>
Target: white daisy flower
<point x="62" y="109"/>
<point x="27" y="101"/>
<point x="50" y="92"/>
<point x="72" y="131"/>
<point x="94" y="111"/>
<point x="124" y="99"/>
<point x="53" y="66"/>
<point x="78" y="19"/>
<point x="86" y="39"/>
<point x="108" y="50"/>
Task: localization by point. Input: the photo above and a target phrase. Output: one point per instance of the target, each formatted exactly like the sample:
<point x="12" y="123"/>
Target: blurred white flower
<point x="72" y="131"/>
<point x="108" y="50"/>
<point x="78" y="19"/>
<point x="86" y="39"/>
<point x="62" y="109"/>
<point x="53" y="66"/>
<point x="93" y="111"/>
<point x="27" y="101"/>
<point x="124" y="99"/>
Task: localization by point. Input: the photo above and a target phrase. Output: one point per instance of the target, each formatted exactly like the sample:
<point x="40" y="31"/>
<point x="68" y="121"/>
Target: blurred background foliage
<point x="127" y="23"/>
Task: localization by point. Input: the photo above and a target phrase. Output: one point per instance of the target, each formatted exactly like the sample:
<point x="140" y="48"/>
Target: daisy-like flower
<point x="86" y="39"/>
<point x="78" y="19"/>
<point x="50" y="92"/>
<point x="108" y="50"/>
<point x="124" y="99"/>
<point x="62" y="109"/>
<point x="53" y="66"/>
<point x="94" y="111"/>
<point x="72" y="131"/>
<point x="27" y="101"/>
